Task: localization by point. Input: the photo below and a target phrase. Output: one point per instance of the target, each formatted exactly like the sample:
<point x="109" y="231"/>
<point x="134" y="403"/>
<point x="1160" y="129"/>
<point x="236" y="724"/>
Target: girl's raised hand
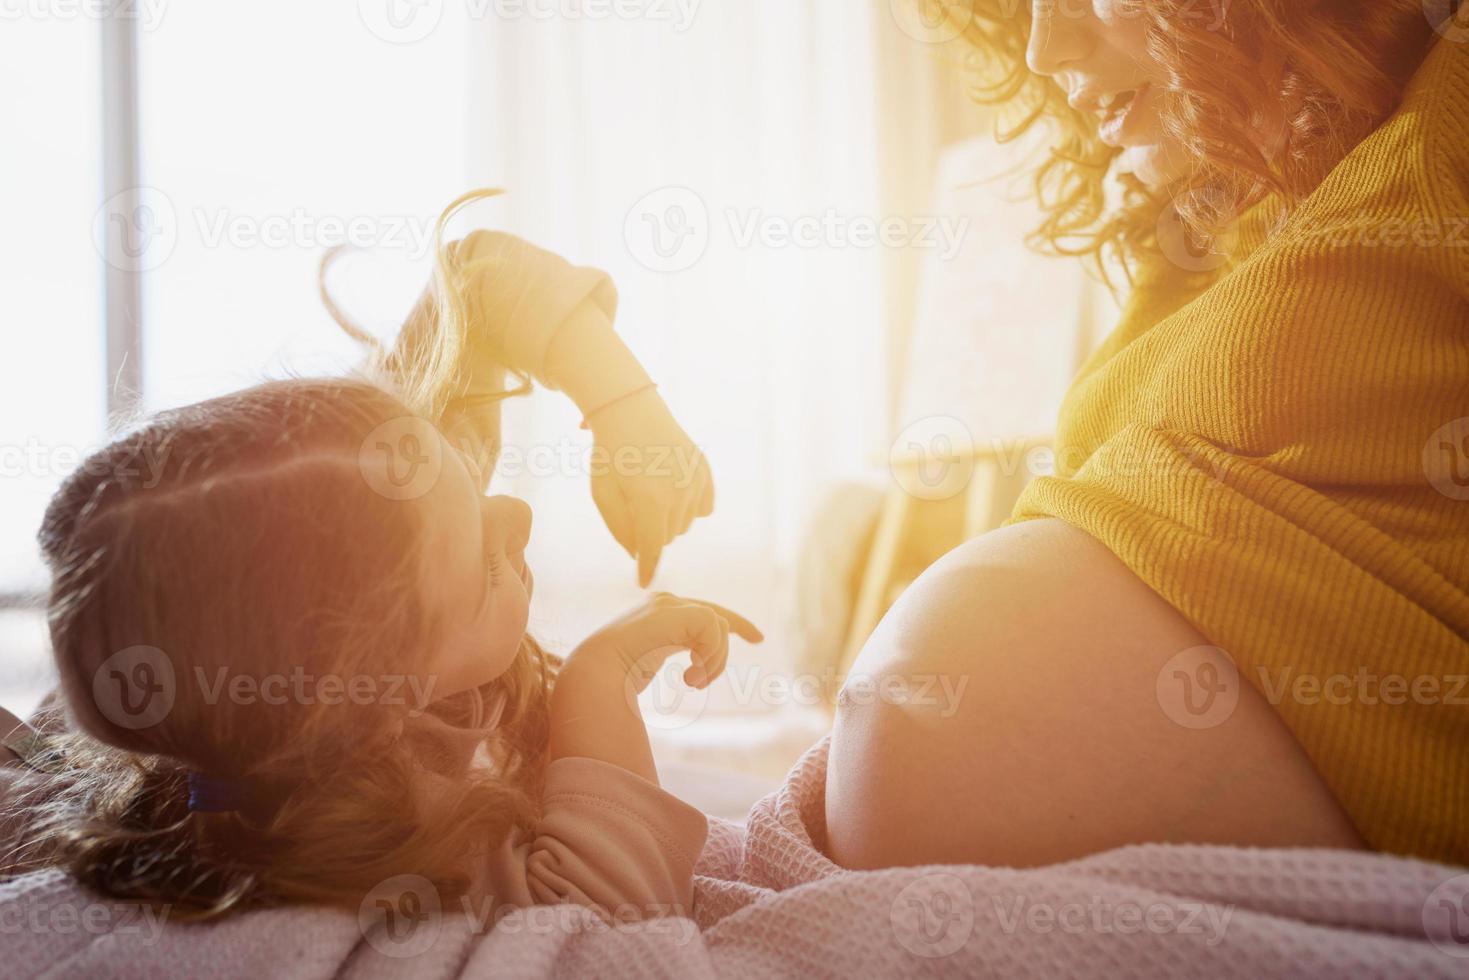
<point x="643" y="639"/>
<point x="650" y="482"/>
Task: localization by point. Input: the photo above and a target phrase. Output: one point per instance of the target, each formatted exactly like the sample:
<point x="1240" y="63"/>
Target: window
<point x="52" y="399"/>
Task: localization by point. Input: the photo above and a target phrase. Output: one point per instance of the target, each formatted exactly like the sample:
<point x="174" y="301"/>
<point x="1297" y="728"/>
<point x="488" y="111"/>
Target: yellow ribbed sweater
<point x="1269" y="452"/>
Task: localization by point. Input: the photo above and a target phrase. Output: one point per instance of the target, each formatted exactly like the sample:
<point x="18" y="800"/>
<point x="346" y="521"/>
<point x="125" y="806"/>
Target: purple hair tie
<point x="215" y="794"/>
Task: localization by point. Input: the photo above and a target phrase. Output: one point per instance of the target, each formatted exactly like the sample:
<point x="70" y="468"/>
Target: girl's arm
<point x="594" y="706"/>
<point x="609" y="837"/>
<point x="534" y="314"/>
<point x="531" y="314"/>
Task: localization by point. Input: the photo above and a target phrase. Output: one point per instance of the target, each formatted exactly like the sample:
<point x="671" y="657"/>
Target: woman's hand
<point x="649" y="480"/>
<point x="641" y="641"/>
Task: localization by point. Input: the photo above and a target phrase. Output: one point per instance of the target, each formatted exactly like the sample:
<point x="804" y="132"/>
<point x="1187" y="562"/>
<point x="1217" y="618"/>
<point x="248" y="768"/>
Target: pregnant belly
<point x="1008" y="710"/>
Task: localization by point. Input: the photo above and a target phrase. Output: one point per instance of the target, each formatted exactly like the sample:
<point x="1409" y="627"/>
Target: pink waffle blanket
<point x="769" y="904"/>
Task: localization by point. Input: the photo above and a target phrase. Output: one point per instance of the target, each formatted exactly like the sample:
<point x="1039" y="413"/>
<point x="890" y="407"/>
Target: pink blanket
<point x="770" y="905"/>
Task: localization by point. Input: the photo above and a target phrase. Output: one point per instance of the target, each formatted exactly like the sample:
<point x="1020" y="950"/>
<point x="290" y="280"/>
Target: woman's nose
<point x="1059" y="35"/>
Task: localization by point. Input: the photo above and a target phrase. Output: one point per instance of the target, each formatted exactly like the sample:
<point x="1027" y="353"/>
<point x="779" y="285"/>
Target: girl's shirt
<point x="607" y="839"/>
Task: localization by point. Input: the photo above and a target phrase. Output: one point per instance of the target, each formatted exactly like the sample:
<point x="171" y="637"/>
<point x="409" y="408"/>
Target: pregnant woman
<point x="1239" y="611"/>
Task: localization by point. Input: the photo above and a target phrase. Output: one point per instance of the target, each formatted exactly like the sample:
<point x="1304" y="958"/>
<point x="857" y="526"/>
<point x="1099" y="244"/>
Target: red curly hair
<point x="1344" y="65"/>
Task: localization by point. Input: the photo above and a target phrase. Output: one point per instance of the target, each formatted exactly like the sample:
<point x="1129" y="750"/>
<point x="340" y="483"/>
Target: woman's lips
<point x="1113" y="129"/>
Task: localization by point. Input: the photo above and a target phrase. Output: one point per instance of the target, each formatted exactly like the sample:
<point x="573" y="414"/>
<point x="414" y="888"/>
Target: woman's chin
<point x="1154" y="164"/>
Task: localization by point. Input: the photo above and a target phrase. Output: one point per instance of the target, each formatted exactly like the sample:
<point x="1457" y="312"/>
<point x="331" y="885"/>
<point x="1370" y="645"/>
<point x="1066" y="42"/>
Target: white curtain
<point x="747" y="134"/>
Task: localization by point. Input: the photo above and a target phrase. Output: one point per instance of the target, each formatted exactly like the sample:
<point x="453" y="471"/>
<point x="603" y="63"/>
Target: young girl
<point x="290" y="632"/>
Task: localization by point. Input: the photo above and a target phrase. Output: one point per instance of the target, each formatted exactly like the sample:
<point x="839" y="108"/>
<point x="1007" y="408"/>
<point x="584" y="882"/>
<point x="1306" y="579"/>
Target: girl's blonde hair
<point x="1343" y="67"/>
<point x="239" y="536"/>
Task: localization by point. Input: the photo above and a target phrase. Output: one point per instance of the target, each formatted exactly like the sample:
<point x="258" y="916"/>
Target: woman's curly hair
<point x="1342" y="68"/>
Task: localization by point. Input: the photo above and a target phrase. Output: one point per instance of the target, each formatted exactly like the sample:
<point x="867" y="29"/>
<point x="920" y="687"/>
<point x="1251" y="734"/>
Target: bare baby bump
<point x="1006" y="712"/>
